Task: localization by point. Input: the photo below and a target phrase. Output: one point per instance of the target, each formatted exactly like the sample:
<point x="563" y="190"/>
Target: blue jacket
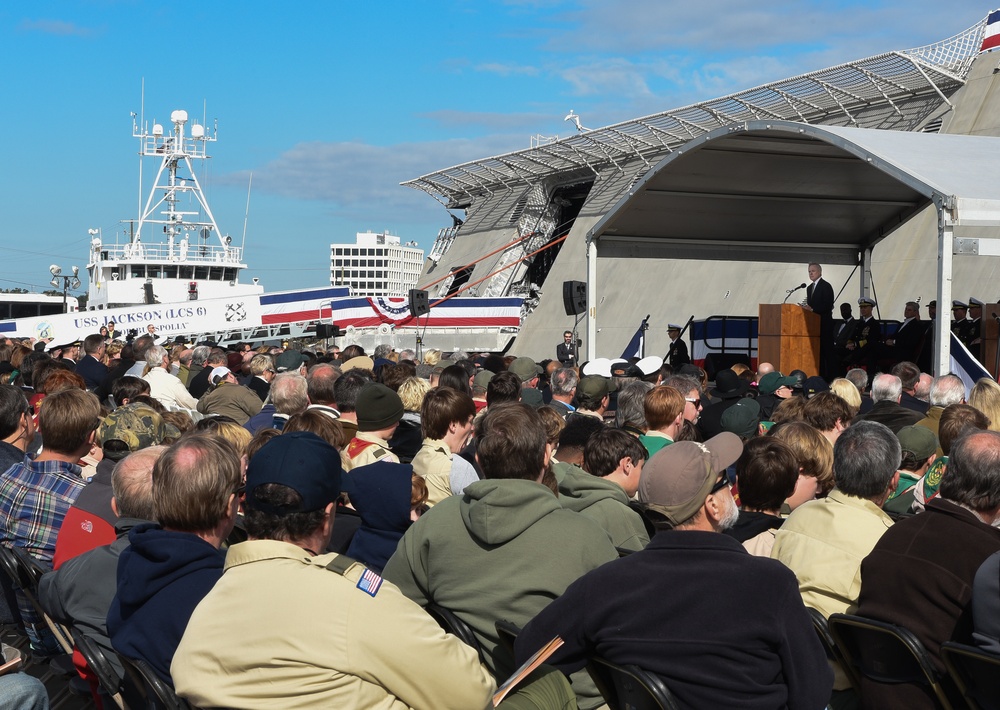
<point x="162" y="575"/>
<point x="380" y="492"/>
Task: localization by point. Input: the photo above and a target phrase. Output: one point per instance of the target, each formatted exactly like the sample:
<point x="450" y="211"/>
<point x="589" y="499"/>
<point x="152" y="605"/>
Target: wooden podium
<point x="788" y="337"/>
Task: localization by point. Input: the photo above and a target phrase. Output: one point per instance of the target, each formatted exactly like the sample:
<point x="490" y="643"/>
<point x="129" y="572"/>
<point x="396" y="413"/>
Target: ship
<point x="172" y="268"/>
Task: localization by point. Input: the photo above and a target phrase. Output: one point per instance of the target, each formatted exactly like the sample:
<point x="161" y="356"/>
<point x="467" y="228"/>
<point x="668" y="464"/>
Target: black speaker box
<point x="575" y="297"/>
<point x="419" y="303"/>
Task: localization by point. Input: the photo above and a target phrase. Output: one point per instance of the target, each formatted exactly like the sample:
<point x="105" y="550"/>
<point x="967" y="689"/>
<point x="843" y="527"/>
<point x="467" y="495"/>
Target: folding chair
<point x="830" y="646"/>
<point x="975" y="672"/>
<point x="100" y="666"/>
<point x="142" y="680"/>
<point x="629" y="687"/>
<point x="886" y="653"/>
<point x="507" y="632"/>
<point x="30" y="573"/>
<point x="448" y="621"/>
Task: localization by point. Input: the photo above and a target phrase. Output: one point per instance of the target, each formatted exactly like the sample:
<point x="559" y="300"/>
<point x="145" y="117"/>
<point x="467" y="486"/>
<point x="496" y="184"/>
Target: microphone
<point x="790" y="291"/>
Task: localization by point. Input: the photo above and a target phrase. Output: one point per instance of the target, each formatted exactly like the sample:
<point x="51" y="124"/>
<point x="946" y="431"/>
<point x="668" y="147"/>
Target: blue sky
<point x="331" y="104"/>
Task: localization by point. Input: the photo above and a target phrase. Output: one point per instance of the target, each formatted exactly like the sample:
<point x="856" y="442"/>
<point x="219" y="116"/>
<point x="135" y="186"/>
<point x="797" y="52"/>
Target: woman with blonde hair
<point x="814" y="454"/>
<point x="845" y="389"/>
<point x="985" y="396"/>
<point x="432" y="357"/>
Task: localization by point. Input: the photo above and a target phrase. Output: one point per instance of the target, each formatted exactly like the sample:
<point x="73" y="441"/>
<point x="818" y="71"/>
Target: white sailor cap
<point x="672" y="326"/>
<point x="864" y="301"/>
<point x="974" y="302"/>
<point x="598" y="366"/>
<point x="650" y="364"/>
<point x="959" y="304"/>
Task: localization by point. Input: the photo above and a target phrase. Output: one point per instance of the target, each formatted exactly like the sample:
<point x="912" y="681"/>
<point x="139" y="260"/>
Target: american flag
<point x="369" y="582"/>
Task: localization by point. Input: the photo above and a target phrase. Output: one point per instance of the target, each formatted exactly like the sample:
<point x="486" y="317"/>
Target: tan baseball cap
<point x="678" y="478"/>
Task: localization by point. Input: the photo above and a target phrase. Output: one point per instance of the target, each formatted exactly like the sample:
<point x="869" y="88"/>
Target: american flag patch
<point x="369" y="582"/>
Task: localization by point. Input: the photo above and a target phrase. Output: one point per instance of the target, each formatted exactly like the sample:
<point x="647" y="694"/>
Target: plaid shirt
<point x="34" y="498"/>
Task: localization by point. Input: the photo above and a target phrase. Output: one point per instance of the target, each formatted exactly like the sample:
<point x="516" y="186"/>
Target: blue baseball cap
<point x="301" y="461"/>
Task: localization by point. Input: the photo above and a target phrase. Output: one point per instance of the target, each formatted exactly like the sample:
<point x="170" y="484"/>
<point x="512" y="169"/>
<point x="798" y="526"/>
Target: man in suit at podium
<point x="819" y="300"/>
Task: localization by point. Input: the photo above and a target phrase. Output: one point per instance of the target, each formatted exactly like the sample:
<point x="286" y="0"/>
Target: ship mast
<point x="176" y="185"/>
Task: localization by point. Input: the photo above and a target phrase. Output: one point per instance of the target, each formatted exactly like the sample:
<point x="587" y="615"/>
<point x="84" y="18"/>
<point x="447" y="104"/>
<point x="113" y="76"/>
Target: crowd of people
<point x="305" y="513"/>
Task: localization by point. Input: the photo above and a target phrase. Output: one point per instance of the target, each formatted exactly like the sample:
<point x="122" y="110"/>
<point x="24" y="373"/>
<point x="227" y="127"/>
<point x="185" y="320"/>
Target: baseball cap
<point x="594" y="387"/>
<point x="218" y="373"/>
<point x="482" y="379"/>
<point x="138" y="425"/>
<point x="676" y="480"/>
<point x="919" y="441"/>
<point x="814" y="385"/>
<point x="289" y="360"/>
<point x="525" y="368"/>
<point x="303" y="462"/>
<point x="361" y="362"/>
<point x="770" y="382"/>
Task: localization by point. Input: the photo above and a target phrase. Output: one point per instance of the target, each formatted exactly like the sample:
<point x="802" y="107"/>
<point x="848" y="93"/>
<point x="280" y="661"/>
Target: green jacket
<point x="602" y="501"/>
<point x="502" y="550"/>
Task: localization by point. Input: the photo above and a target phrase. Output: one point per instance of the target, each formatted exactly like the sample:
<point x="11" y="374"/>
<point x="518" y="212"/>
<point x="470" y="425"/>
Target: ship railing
<point x="176" y="253"/>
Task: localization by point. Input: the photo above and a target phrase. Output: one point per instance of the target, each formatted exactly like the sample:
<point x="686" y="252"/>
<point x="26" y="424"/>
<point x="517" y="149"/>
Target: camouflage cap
<point x="138" y="425"/>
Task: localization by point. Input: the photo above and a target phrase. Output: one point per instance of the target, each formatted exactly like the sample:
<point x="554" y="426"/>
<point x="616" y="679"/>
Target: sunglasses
<point x="720" y="484"/>
<point x="695" y="402"/>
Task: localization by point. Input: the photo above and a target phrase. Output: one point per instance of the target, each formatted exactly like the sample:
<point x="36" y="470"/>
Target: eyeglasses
<point x="695" y="401"/>
<point x="720" y="484"/>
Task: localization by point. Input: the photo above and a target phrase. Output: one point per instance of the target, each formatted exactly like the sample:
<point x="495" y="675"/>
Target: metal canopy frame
<point x="836" y="94"/>
<point x="794" y="192"/>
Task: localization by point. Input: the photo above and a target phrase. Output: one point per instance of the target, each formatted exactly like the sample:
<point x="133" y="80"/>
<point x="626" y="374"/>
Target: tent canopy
<point x="793" y="192"/>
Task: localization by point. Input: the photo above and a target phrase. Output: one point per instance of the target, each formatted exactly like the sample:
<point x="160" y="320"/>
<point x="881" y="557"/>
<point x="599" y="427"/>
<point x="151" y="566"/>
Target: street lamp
<point x="68" y="282"/>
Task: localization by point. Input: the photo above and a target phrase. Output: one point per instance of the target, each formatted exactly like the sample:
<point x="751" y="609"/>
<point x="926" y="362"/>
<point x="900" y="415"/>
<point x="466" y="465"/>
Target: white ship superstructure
<point x="174" y="251"/>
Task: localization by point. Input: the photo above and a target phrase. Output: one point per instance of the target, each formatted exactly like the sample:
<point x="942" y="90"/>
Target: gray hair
<point x="200" y="354"/>
<point x="289" y="393"/>
<point x="947" y="390"/>
<point x="382" y="351"/>
<point x="973" y="478"/>
<point x="865" y="458"/>
<point x="858" y="378"/>
<point x="886" y="388"/>
<point x="631" y="401"/>
<point x="564" y="381"/>
<point x="682" y="383"/>
<point x="155" y="355"/>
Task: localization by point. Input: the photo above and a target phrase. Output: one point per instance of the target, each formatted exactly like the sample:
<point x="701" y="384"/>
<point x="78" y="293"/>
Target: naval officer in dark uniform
<point x="677" y="353"/>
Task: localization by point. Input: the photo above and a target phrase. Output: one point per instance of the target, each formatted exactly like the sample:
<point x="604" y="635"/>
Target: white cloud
<point x="362" y="179"/>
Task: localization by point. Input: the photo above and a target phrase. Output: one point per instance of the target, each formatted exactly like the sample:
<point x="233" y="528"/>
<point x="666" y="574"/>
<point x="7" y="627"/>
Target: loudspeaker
<point x="325" y="330"/>
<point x="419" y="304"/>
<point x="147" y="291"/>
<point x="575" y="297"/>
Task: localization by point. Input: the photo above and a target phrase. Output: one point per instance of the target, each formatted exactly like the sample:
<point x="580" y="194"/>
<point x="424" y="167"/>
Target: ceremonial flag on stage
<point x="991" y="36"/>
<point x="637" y="345"/>
<point x="965" y="366"/>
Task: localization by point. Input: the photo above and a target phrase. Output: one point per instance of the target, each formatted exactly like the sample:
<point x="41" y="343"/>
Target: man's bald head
<point x="132" y="483"/>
